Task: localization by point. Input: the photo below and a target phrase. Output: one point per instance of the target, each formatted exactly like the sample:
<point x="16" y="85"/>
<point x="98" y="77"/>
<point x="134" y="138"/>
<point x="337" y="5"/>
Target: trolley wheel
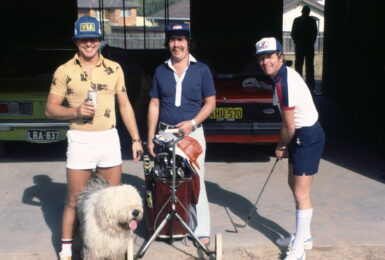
<point x="130" y="247"/>
<point x="218" y="246"/>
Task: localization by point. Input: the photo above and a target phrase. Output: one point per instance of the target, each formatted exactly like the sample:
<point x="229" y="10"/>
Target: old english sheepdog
<point x="107" y="215"/>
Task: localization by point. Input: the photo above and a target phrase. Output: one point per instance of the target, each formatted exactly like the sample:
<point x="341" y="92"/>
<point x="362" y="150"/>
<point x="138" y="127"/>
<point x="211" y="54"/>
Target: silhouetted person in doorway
<point x="304" y="33"/>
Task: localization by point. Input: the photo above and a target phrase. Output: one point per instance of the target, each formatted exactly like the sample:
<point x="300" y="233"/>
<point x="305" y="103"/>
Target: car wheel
<point x="4" y="149"/>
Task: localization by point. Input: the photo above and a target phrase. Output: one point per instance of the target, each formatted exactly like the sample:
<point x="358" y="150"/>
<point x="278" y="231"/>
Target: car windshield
<point x="34" y="62"/>
<point x="248" y="68"/>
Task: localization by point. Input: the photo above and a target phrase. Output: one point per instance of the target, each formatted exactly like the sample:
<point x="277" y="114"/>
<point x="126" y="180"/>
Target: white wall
<point x="290" y="15"/>
<point x="140" y="21"/>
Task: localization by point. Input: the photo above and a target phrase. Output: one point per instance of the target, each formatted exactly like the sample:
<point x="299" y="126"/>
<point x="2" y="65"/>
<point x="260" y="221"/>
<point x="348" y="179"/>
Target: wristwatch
<point x="194" y="123"/>
<point x="281" y="148"/>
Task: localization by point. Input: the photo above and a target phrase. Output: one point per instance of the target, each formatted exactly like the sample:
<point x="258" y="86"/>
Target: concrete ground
<point x="348" y="197"/>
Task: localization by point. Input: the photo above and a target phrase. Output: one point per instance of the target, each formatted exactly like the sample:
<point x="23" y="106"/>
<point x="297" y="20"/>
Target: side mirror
<point x="288" y="63"/>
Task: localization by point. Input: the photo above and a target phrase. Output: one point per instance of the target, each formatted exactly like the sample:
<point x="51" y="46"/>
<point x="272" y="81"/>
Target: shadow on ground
<point x="50" y="197"/>
<point x="347" y="146"/>
<point x="228" y="152"/>
<point x="242" y="207"/>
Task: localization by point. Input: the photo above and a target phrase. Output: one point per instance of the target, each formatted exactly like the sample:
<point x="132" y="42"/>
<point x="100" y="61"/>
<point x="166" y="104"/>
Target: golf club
<point x="232" y="222"/>
<point x="259" y="196"/>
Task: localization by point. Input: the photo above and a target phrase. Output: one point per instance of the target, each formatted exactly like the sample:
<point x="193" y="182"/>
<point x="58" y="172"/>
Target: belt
<point x="164" y="126"/>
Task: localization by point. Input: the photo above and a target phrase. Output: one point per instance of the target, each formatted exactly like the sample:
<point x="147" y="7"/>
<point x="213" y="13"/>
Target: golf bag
<point x="158" y="181"/>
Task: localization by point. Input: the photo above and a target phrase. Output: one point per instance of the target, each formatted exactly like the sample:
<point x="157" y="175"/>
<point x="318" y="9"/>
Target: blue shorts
<point x="305" y="149"/>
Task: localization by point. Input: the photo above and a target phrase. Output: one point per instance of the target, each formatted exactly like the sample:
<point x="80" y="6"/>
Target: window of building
<point x="145" y="23"/>
<point x="125" y="13"/>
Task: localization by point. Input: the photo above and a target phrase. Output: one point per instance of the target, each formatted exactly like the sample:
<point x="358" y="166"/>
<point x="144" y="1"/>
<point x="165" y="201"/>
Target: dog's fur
<point x="104" y="214"/>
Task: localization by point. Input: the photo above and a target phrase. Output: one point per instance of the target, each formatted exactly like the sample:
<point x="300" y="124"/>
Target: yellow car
<point x="25" y="78"/>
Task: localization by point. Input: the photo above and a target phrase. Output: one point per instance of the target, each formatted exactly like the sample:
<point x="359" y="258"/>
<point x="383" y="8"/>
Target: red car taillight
<point x="4" y="108"/>
<point x="19" y="108"/>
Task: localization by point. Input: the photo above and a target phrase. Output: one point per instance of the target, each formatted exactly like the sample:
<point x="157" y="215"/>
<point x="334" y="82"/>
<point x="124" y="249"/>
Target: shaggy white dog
<point x="107" y="216"/>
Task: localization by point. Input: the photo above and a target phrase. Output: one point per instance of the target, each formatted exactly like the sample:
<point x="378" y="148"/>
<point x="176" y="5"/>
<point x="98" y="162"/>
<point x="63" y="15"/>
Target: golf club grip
<point x="172" y="131"/>
<point x="179" y="133"/>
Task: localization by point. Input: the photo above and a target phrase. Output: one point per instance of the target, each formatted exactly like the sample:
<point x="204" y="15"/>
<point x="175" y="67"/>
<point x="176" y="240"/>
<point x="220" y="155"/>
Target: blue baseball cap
<point x="87" y="27"/>
<point x="178" y="29"/>
<point x="268" y="45"/>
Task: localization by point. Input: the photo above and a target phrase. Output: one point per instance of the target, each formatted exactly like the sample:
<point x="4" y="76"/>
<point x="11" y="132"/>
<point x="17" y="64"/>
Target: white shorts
<point x="88" y="150"/>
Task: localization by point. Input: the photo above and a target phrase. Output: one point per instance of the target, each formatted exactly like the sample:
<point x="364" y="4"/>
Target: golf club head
<point x="240" y="226"/>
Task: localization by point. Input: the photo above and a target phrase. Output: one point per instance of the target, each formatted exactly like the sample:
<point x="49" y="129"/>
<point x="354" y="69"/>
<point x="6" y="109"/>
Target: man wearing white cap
<point x="301" y="136"/>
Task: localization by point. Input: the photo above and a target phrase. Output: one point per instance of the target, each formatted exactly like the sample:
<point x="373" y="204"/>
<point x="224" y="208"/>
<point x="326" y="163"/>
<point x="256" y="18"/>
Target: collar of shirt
<point x="276" y="79"/>
<point x="179" y="80"/>
<point x="100" y="61"/>
<point x="279" y="75"/>
<point x="190" y="59"/>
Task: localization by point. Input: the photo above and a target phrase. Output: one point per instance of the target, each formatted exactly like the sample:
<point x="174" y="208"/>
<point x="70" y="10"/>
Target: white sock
<point x="66" y="247"/>
<point x="303" y="227"/>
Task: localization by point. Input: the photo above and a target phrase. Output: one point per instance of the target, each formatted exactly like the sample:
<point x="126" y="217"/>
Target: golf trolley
<point x="173" y="176"/>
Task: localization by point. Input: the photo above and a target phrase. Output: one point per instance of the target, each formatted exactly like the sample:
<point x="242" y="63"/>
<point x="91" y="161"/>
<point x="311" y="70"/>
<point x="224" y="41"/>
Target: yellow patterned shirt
<point x="72" y="82"/>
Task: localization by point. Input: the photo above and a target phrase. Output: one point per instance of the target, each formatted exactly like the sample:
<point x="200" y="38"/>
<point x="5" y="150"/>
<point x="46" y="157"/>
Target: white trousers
<point x="202" y="207"/>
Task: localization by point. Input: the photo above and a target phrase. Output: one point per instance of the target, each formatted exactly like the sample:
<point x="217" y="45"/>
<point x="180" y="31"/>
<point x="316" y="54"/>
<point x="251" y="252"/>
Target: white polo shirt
<point x="292" y="93"/>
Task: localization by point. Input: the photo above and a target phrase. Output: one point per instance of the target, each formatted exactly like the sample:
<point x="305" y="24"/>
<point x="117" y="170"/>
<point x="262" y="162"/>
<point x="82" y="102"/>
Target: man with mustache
<point x="179" y="86"/>
<point x="93" y="141"/>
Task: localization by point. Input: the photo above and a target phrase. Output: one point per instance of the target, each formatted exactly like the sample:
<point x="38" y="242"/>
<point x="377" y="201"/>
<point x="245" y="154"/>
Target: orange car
<point x="245" y="112"/>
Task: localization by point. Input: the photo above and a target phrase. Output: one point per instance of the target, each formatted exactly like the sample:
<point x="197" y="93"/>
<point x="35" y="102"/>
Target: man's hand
<point x="186" y="126"/>
<point x="280" y="153"/>
<point x="137" y="150"/>
<point x="85" y="110"/>
<point x="150" y="148"/>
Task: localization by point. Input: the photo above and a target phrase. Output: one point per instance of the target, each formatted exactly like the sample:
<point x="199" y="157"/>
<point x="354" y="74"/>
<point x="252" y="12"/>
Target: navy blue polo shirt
<point x="197" y="84"/>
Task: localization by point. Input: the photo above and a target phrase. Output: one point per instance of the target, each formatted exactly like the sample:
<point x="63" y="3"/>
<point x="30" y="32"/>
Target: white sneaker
<point x="295" y="254"/>
<point x="288" y="241"/>
<point x="64" y="256"/>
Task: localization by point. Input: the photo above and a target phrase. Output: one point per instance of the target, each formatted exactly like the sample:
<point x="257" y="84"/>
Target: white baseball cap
<point x="268" y="45"/>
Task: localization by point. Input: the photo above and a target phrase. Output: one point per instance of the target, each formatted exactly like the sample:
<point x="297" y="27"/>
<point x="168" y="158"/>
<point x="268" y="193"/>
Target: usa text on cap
<point x="87" y="27"/>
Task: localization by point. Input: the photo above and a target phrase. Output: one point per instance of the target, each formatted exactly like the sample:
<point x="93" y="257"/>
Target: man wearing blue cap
<point x="93" y="141"/>
<point x="179" y="86"/>
<point x="301" y="136"/>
